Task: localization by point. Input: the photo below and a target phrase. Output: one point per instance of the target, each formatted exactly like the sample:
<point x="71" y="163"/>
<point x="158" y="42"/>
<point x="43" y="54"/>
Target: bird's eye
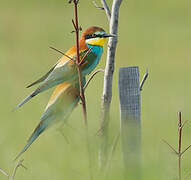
<point x="93" y="35"/>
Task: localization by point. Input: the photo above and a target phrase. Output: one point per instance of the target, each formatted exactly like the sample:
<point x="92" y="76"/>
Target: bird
<point x="62" y="102"/>
<point x="92" y="41"/>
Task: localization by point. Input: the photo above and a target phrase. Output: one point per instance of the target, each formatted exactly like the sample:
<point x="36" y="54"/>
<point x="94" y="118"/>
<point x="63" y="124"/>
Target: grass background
<point x="153" y="34"/>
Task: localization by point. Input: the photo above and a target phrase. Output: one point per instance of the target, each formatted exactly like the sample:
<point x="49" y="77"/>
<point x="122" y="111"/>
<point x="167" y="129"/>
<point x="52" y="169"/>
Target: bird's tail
<point x="33" y="94"/>
<point x="39" y="129"/>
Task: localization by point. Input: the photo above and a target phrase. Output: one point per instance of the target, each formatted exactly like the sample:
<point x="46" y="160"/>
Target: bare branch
<point x="184" y="123"/>
<point x="76" y="27"/>
<point x="107" y="10"/>
<point x="81" y="62"/>
<point x="179" y="152"/>
<point x="114" y="145"/>
<point x="179" y="145"/>
<point x="19" y="163"/>
<point x="89" y="50"/>
<point x="173" y="149"/>
<point x="5" y="173"/>
<point x="185" y="149"/>
<point x="95" y="4"/>
<point x="108" y="77"/>
<point x="61" y="53"/>
<point x="92" y="76"/>
<point x="82" y="95"/>
<point x="144" y="79"/>
<point x="16" y="167"/>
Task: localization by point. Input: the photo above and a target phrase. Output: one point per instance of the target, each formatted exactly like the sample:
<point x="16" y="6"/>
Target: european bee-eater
<point x="65" y="69"/>
<point x="63" y="100"/>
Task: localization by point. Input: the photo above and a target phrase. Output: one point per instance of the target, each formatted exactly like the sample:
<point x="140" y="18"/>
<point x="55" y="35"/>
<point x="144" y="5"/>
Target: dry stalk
<point x="144" y="79"/>
<point x="179" y="152"/>
<point x="12" y="177"/>
<point x="76" y="27"/>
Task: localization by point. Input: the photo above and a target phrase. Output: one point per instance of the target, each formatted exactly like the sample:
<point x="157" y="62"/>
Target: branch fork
<point x="179" y="152"/>
<point x="12" y="177"/>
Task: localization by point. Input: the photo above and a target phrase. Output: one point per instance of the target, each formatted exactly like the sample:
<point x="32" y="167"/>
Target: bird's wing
<point x="65" y="70"/>
<point x="42" y="78"/>
<point x="55" y="77"/>
<point x="63" y="100"/>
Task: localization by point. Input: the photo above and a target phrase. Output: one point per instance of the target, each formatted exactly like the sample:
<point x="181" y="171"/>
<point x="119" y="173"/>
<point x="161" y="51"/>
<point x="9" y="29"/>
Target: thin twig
<point x="5" y="173"/>
<point x="19" y="164"/>
<point x="179" y="143"/>
<point x="61" y="53"/>
<point x="112" y="151"/>
<point x="107" y="10"/>
<point x="81" y="62"/>
<point x="82" y="96"/>
<point x="179" y="153"/>
<point x="184" y="123"/>
<point x="85" y="55"/>
<point x="80" y="29"/>
<point x="16" y="167"/>
<point x="185" y="149"/>
<point x="95" y="4"/>
<point x="170" y="146"/>
<point x="92" y="76"/>
<point x="144" y="79"/>
<point x="76" y="27"/>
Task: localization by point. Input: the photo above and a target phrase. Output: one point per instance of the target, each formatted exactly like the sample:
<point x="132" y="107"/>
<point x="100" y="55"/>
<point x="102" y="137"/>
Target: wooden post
<point x="130" y="111"/>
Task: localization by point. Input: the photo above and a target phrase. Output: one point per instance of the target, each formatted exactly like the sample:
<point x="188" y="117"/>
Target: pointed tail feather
<point x="36" y="82"/>
<point x="23" y="150"/>
<point x="39" y="129"/>
<point x="34" y="93"/>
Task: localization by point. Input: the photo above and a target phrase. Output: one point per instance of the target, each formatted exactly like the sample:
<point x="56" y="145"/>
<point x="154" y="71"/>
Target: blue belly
<point x="97" y="50"/>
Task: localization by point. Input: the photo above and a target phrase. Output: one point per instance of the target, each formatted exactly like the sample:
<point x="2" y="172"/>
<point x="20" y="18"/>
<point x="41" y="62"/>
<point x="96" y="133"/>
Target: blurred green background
<point x="153" y="34"/>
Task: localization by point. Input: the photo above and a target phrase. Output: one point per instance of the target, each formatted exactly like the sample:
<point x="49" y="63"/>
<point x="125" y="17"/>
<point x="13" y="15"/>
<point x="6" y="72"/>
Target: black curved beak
<point x="109" y="35"/>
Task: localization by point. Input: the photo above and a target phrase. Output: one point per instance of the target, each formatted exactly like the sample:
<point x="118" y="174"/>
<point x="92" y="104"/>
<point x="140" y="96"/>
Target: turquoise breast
<point x="97" y="51"/>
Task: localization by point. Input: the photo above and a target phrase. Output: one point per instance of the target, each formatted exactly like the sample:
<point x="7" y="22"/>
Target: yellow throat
<point x="96" y="41"/>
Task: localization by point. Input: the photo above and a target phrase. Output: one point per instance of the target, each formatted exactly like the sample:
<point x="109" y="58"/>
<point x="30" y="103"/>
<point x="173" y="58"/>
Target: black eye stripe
<point x="89" y="36"/>
<point x="99" y="35"/>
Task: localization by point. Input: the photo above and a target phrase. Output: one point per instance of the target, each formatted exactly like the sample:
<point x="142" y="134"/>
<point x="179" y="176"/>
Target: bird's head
<point x="95" y="36"/>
